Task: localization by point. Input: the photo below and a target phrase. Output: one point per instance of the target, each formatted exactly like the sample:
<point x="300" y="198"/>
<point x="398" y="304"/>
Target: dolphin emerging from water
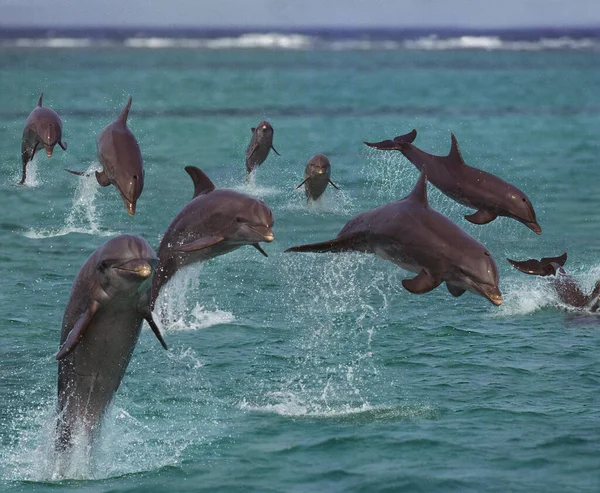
<point x="317" y="176"/>
<point x="472" y="187"/>
<point x="43" y="127"/>
<point x="109" y="300"/>
<point x="121" y="160"/>
<point x="260" y="145"/>
<point x="419" y="239"/>
<point x="565" y="286"/>
<point x="215" y="222"/>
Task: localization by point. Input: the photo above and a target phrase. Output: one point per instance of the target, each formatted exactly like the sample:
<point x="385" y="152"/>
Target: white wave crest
<point x="489" y="43"/>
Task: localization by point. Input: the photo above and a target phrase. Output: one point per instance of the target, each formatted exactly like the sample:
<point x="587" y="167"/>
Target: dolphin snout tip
<point x="130" y="208"/>
<point x="269" y="237"/>
<point x="496" y="299"/>
<point x="143" y="270"/>
<point x="49" y="152"/>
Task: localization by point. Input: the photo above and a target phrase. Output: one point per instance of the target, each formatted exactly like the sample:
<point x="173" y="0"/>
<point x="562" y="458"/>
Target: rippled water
<point x="304" y="372"/>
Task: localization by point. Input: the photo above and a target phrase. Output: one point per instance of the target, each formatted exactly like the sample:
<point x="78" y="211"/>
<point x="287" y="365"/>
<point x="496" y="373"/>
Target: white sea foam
<point x="489" y="43"/>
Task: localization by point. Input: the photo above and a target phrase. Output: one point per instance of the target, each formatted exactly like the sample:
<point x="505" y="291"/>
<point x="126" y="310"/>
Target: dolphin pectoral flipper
<point x="200" y="244"/>
<point x="481" y="217"/>
<point x="333" y="185"/>
<point x="148" y="318"/>
<point x="259" y="248"/>
<point x="254" y="148"/>
<point x="78" y="173"/>
<point x="202" y="183"/>
<point x="455" y="290"/>
<point x="423" y="283"/>
<point x="305" y="180"/>
<point x="78" y="330"/>
<point x="343" y="244"/>
<point x="102" y="179"/>
<point x="275" y="151"/>
<point x="62" y="144"/>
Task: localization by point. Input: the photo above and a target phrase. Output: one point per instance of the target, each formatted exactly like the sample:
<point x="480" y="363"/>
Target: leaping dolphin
<point x="472" y="187"/>
<point x="109" y="300"/>
<point x="121" y="160"/>
<point x="215" y="222"/>
<point x="317" y="176"/>
<point x="260" y="145"/>
<point x="419" y="239"/>
<point x="566" y="287"/>
<point x="43" y="127"/>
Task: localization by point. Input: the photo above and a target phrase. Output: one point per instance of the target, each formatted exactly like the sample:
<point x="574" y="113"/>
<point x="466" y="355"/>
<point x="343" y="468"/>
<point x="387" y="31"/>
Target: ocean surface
<point x="307" y="372"/>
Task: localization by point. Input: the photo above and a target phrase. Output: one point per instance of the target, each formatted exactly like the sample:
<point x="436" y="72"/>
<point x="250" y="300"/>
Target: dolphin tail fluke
<point x="344" y="244"/>
<point x="155" y="329"/>
<point x="543" y="267"/>
<point x="397" y="144"/>
<point x="40" y="100"/>
<point x="125" y="112"/>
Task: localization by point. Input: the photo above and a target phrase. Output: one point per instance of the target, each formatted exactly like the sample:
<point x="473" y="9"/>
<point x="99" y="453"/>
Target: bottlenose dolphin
<point x="419" y="239"/>
<point x="260" y="145"/>
<point x="472" y="187"/>
<point x="215" y="222"/>
<point x="565" y="286"/>
<point x="109" y="300"/>
<point x="43" y="126"/>
<point x="317" y="176"/>
<point x="121" y="160"/>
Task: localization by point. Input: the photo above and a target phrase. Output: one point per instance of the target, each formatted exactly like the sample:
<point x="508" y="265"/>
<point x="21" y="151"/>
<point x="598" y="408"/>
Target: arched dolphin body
<point x="121" y="160"/>
<point x="472" y="187"/>
<point x="260" y="145"/>
<point x="317" y="176"/>
<point x="215" y="222"/>
<point x="42" y="128"/>
<point x="109" y="300"/>
<point x="566" y="287"/>
<point x="419" y="239"/>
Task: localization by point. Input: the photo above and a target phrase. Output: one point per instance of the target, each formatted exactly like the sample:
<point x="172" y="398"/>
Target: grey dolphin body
<point x="260" y="145"/>
<point x="121" y="160"/>
<point x="215" y="222"/>
<point x="109" y="300"/>
<point x="472" y="187"/>
<point x="419" y="239"/>
<point x="43" y="127"/>
<point x="317" y="176"/>
<point x="566" y="287"/>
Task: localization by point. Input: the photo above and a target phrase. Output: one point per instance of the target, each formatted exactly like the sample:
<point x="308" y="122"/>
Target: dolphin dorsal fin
<point x="202" y="183"/>
<point x="40" y="100"/>
<point x="419" y="192"/>
<point x="455" y="156"/>
<point x="125" y="113"/>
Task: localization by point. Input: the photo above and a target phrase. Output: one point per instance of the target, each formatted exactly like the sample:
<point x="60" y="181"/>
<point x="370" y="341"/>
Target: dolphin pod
<point x="214" y="223"/>
<point x="472" y="187"/>
<point x="566" y="287"/>
<point x="109" y="300"/>
<point x="418" y="238"/>
<point x="317" y="176"/>
<point x="42" y="128"/>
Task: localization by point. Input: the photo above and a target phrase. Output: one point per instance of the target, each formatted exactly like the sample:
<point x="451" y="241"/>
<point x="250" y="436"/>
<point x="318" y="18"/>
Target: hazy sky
<point x="297" y="13"/>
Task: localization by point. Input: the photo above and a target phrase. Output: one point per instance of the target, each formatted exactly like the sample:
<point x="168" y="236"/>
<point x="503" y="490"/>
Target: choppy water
<point x="309" y="372"/>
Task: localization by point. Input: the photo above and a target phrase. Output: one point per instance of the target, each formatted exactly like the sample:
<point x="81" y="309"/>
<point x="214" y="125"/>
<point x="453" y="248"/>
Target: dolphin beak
<point x="49" y="151"/>
<point x="269" y="236"/>
<point x="140" y="268"/>
<point x="130" y="207"/>
<point x="320" y="172"/>
<point x="495" y="298"/>
<point x="535" y="227"/>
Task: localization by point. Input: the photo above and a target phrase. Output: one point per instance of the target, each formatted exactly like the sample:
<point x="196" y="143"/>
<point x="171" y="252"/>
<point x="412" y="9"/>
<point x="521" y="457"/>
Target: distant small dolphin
<point x="567" y="289"/>
<point x="121" y="159"/>
<point x="43" y="126"/>
<point x="215" y="222"/>
<point x="419" y="239"/>
<point x="109" y="300"/>
<point x="316" y="177"/>
<point x="472" y="187"/>
<point x="260" y="145"/>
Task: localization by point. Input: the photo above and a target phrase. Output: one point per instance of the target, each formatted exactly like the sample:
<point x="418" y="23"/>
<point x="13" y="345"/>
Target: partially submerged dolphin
<point x="260" y="145"/>
<point x="566" y="288"/>
<point x="472" y="187"/>
<point x="419" y="239"/>
<point x="43" y="127"/>
<point x="317" y="176"/>
<point x="121" y="160"/>
<point x="109" y="300"/>
<point x="215" y="222"/>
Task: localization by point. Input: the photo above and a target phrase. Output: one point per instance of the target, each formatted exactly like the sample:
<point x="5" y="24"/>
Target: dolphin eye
<point x="135" y="177"/>
<point x="487" y="253"/>
<point x="524" y="200"/>
<point x="102" y="266"/>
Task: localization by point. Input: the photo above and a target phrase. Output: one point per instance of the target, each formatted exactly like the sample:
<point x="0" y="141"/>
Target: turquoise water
<point x="304" y="372"/>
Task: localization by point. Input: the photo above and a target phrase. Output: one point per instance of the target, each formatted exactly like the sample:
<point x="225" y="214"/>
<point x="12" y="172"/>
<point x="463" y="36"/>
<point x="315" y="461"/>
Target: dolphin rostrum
<point x="121" y="160"/>
<point x="260" y="145"/>
<point x="213" y="223"/>
<point x="317" y="177"/>
<point x="109" y="300"/>
<point x="43" y="127"/>
<point x="419" y="239"/>
<point x="472" y="187"/>
<point x="566" y="287"/>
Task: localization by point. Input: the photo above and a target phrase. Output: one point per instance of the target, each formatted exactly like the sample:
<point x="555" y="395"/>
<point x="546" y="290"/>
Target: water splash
<point x="83" y="217"/>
